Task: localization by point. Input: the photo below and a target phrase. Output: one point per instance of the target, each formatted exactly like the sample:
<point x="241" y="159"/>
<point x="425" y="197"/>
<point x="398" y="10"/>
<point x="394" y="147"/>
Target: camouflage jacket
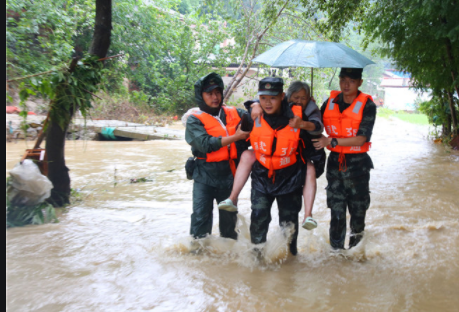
<point x="355" y="164"/>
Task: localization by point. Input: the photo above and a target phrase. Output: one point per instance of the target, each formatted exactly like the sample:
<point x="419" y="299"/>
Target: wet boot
<point x="354" y="239"/>
<point x="337" y="229"/>
<point x="293" y="247"/>
<point x="228" y="222"/>
<point x="257" y="253"/>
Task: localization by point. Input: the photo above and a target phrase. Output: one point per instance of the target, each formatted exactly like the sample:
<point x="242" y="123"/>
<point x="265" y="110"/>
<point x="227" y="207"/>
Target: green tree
<point x="422" y="38"/>
<point x="40" y="34"/>
<point x="166" y="52"/>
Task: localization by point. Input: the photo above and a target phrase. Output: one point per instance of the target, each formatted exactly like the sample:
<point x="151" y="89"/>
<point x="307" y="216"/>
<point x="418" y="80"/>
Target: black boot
<point x="354" y="240"/>
<point x="293" y="248"/>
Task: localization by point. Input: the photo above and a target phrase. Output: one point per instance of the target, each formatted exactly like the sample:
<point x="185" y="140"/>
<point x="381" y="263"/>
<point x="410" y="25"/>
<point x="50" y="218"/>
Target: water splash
<point x="241" y="251"/>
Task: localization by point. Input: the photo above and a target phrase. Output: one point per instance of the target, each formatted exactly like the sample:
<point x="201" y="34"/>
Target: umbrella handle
<point x="312" y="79"/>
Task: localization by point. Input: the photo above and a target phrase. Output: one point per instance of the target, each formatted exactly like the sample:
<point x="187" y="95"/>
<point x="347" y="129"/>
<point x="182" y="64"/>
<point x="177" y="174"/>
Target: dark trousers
<point x="351" y="194"/>
<point x="289" y="206"/>
<point x="202" y="216"/>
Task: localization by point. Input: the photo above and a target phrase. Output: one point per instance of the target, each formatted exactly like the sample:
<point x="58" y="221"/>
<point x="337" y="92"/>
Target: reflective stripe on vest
<point x="345" y="124"/>
<point x="262" y="139"/>
<point x="216" y="128"/>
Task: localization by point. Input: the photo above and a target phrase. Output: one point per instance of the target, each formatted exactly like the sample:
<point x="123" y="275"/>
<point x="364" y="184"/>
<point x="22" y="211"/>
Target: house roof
<point x="395" y="79"/>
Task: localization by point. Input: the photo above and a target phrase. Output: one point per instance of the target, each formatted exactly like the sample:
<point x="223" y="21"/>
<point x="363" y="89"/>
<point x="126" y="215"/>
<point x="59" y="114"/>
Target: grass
<point x="414" y="118"/>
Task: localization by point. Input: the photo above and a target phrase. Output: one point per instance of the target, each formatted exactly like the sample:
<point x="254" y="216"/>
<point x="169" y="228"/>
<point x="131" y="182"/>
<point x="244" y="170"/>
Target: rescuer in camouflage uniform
<point x="348" y="179"/>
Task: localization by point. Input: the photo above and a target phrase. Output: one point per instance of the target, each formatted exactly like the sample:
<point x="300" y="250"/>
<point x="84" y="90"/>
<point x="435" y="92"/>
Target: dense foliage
<point x="164" y="52"/>
<point x="167" y="45"/>
<point x="422" y="38"/>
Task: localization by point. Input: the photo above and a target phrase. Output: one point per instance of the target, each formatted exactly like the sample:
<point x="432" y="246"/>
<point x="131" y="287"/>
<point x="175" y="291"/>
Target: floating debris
<point x="140" y="180"/>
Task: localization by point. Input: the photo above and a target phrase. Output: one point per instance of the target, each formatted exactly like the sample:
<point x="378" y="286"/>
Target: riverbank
<point x="421" y="120"/>
<point x="91" y="129"/>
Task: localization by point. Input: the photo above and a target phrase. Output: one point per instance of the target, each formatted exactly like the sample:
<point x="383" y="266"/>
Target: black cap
<point x="270" y="86"/>
<point x="211" y="83"/>
<point x="354" y="73"/>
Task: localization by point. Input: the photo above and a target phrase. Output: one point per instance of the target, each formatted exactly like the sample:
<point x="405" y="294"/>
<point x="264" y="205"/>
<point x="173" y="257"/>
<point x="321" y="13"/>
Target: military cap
<point x="212" y="82"/>
<point x="270" y="86"/>
<point x="354" y="73"/>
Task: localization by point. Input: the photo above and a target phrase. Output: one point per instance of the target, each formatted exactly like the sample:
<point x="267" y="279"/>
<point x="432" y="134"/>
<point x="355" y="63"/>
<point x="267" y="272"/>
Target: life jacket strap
<point x="342" y="162"/>
<point x="232" y="166"/>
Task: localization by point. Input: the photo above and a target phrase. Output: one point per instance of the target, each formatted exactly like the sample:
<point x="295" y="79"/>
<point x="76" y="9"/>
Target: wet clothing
<point x="211" y="173"/>
<point x="354" y="194"/>
<point x="289" y="205"/>
<point x="308" y="152"/>
<point x="213" y="180"/>
<point x="287" y="140"/>
<point x="286" y="180"/>
<point x="215" y="128"/>
<point x="345" y="124"/>
<point x="202" y="216"/>
<point x="203" y="84"/>
<point x="356" y="164"/>
<point x="285" y="186"/>
<point x="349" y="188"/>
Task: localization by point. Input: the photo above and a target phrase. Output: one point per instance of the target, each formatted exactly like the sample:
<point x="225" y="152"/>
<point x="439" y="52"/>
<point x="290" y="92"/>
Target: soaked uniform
<point x="317" y="157"/>
<point x="284" y="185"/>
<point x="213" y="181"/>
<point x="348" y="181"/>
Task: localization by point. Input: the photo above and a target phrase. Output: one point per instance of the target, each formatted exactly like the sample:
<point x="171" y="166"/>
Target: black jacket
<point x="286" y="180"/>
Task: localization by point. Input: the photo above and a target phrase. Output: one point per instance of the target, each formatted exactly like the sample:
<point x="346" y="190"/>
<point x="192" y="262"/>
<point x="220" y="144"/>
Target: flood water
<point x="122" y="247"/>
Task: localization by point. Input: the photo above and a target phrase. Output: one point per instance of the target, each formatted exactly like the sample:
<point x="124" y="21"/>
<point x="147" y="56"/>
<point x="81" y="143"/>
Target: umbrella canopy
<point x="315" y="54"/>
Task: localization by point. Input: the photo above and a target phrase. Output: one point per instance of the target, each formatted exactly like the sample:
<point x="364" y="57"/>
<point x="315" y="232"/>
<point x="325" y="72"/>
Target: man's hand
<point x="241" y="135"/>
<point x="257" y="111"/>
<point x="321" y="142"/>
<point x="295" y="122"/>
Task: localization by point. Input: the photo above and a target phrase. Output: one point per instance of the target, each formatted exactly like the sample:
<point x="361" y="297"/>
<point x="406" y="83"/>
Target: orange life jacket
<point x="215" y="128"/>
<point x="345" y="124"/>
<point x="262" y="138"/>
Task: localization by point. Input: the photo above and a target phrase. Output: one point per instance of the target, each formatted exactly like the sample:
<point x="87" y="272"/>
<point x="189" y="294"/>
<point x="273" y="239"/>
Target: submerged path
<point x="119" y="247"/>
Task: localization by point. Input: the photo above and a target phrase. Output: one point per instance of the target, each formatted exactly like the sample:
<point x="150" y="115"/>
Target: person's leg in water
<point x="240" y="178"/>
<point x="309" y="195"/>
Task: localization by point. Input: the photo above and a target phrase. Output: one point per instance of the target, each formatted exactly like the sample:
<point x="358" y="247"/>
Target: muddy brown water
<point x="122" y="248"/>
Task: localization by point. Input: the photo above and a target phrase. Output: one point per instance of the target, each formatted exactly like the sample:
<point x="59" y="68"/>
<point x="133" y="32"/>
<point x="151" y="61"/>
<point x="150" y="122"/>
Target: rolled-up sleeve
<point x="368" y="120"/>
<point x="197" y="136"/>
<point x="313" y="114"/>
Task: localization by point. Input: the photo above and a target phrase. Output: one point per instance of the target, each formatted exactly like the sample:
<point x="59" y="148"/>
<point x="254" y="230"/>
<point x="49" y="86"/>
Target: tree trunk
<point x="452" y="108"/>
<point x="58" y="173"/>
<point x="102" y="29"/>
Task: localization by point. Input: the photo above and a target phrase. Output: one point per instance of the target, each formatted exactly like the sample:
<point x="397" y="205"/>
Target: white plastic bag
<point x="28" y="186"/>
<point x="188" y="113"/>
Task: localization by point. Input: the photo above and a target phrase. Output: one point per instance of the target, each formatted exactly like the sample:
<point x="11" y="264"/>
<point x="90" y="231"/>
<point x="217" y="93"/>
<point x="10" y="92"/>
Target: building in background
<point x="398" y="94"/>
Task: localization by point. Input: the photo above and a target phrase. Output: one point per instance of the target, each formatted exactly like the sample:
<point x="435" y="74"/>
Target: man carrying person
<point x="276" y="173"/>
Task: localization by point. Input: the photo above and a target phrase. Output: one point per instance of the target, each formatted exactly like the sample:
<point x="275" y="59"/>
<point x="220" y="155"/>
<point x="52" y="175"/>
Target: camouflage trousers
<point x="202" y="216"/>
<point x="351" y="194"/>
<point x="289" y="205"/>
